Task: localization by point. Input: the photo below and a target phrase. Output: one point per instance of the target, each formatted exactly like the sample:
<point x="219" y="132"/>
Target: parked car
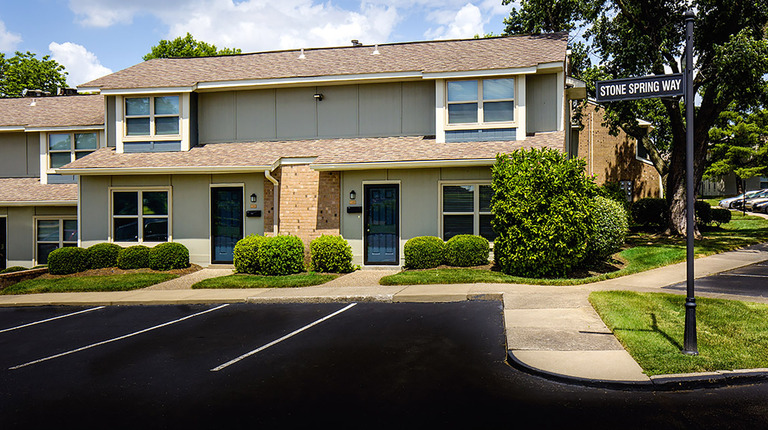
<point x="728" y="203"/>
<point x="761" y="207"/>
<point x="745" y="203"/>
<point x="750" y="203"/>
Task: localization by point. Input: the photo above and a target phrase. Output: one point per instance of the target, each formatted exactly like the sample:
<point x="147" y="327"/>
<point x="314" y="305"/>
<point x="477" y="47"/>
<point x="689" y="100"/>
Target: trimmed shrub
<point x="609" y="228"/>
<point x="720" y="216"/>
<point x="703" y="212"/>
<point x="168" y="255"/>
<point x="650" y="212"/>
<point x="331" y="254"/>
<point x="246" y="254"/>
<point x="424" y="252"/>
<point x="133" y="257"/>
<point x="13" y="269"/>
<point x="103" y="255"/>
<point x="465" y="250"/>
<point x="70" y="259"/>
<point x="281" y="255"/>
<point x="542" y="212"/>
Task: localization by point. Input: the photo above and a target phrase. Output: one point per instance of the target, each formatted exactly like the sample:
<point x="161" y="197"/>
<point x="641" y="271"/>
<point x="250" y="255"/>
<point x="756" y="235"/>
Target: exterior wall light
<point x="318" y="96"/>
<point x="352" y="195"/>
<point x="253" y="198"/>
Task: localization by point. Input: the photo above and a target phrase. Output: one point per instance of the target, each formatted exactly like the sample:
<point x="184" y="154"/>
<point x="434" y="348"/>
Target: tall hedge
<point x="609" y="228"/>
<point x="542" y="212"/>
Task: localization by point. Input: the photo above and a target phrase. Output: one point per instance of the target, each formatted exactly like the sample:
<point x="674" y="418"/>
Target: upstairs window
<point x="152" y="116"/>
<point x="481" y="101"/>
<point x="63" y="148"/>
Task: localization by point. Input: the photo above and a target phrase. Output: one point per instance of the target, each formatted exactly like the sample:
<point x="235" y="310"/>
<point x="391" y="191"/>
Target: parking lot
<point x="750" y="280"/>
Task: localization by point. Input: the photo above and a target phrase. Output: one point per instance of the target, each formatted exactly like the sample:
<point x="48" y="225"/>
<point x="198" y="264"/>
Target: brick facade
<point x="613" y="158"/>
<point x="308" y="199"/>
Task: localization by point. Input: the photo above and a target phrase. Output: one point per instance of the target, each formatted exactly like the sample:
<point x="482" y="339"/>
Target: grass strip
<point x="731" y="334"/>
<point x="123" y="282"/>
<point x="260" y="281"/>
<point x="645" y="251"/>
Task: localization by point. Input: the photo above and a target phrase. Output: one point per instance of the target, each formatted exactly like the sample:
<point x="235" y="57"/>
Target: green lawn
<point x="259" y="281"/>
<point x="644" y="252"/>
<point x="731" y="334"/>
<point x="124" y="282"/>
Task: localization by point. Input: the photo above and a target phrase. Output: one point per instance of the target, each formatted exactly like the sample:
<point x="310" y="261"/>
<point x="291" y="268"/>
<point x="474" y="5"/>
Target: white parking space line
<point x="745" y="275"/>
<point x="275" y="342"/>
<point x="51" y="319"/>
<point x="116" y="338"/>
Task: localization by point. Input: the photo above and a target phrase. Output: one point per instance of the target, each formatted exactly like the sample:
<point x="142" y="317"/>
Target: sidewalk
<point x="551" y="330"/>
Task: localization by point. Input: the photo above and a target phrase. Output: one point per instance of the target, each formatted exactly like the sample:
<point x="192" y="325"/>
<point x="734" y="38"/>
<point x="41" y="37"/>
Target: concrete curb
<point x="674" y="382"/>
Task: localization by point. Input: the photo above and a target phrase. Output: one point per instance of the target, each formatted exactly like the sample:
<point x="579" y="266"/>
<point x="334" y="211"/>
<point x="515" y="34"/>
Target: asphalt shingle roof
<point x="58" y="111"/>
<point x="425" y="57"/>
<point x="16" y="190"/>
<point x="260" y="155"/>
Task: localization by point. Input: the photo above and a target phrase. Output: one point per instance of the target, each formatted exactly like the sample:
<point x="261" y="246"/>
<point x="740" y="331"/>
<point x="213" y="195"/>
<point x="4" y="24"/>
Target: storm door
<point x="382" y="226"/>
<point x="226" y="222"/>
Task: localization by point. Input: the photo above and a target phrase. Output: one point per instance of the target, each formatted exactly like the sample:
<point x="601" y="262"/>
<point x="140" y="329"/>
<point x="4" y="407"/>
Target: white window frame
<point x="638" y="144"/>
<point x="476" y="205"/>
<point x="61" y="240"/>
<point x="481" y="123"/>
<point x="152" y="136"/>
<point x="140" y="215"/>
<point x="72" y="151"/>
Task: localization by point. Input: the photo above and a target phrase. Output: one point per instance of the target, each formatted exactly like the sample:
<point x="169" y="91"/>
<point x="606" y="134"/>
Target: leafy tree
<point x="23" y="70"/>
<point x="739" y="145"/>
<point x="641" y="37"/>
<point x="186" y="46"/>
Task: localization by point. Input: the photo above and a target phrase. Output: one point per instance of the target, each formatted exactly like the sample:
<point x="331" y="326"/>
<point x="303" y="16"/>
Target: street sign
<point x="640" y="88"/>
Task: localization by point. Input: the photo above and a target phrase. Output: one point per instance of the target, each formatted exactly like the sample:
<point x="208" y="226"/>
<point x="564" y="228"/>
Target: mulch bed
<point x="116" y="271"/>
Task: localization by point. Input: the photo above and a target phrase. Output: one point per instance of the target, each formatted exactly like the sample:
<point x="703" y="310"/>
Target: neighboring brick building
<point x="615" y="158"/>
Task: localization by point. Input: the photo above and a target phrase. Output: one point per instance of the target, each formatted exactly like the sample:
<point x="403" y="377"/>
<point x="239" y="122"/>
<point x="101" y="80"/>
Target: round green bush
<point x="703" y="212"/>
<point x="721" y="216"/>
<point x="331" y="254"/>
<point x="281" y="255"/>
<point x="609" y="228"/>
<point x="103" y="255"/>
<point x="542" y="215"/>
<point x="169" y="255"/>
<point x="650" y="212"/>
<point x="424" y="252"/>
<point x="466" y="250"/>
<point x="246" y="254"/>
<point x="133" y="257"/>
<point x="70" y="259"/>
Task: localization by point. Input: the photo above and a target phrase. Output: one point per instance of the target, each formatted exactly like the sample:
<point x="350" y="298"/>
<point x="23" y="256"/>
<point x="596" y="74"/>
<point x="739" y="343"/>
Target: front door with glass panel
<point x="226" y="222"/>
<point x="382" y="231"/>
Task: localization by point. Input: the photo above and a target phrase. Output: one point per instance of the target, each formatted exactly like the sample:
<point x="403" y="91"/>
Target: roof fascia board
<point x="403" y="164"/>
<point x="329" y="79"/>
<point x="66" y="128"/>
<point x="98" y="171"/>
<point x="39" y="203"/>
<point x="12" y="128"/>
<point x="551" y="66"/>
<point x="481" y="73"/>
<point x="136" y="91"/>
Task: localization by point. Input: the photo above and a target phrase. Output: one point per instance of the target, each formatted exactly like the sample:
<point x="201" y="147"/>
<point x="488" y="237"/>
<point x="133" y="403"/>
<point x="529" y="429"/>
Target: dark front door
<point x="3" y="246"/>
<point x="382" y="230"/>
<point x="226" y="222"/>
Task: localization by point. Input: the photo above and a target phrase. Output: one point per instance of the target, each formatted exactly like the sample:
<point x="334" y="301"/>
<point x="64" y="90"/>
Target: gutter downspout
<point x="275" y="200"/>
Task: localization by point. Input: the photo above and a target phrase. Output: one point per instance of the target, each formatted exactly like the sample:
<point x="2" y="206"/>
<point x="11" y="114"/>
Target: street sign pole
<point x="689" y="340"/>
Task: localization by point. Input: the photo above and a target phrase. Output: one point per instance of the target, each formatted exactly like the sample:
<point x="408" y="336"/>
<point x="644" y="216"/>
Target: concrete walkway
<point x="551" y="330"/>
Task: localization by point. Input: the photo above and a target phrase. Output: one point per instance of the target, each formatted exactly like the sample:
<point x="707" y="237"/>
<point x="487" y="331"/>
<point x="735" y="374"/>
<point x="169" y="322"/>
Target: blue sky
<point x="92" y="38"/>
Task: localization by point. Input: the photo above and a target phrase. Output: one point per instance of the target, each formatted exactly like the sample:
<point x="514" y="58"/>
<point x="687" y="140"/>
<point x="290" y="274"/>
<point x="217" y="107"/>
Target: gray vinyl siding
<point x="368" y="110"/>
<point x="541" y="102"/>
<point x="20" y="155"/>
<point x="190" y="206"/>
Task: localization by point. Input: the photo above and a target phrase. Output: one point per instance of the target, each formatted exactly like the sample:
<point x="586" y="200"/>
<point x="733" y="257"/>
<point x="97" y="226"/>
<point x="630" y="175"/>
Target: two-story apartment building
<point x="377" y="143"/>
<point x="38" y="208"/>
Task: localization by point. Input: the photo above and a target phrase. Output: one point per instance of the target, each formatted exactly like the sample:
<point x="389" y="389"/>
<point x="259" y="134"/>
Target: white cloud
<point x="250" y="25"/>
<point x="464" y="23"/>
<point x="8" y="41"/>
<point x="81" y="64"/>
